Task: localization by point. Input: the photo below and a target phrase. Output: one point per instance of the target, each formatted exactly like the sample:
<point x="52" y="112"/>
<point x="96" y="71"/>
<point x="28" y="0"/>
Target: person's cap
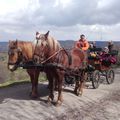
<point x="105" y="48"/>
<point x="82" y="35"/>
<point x="110" y="41"/>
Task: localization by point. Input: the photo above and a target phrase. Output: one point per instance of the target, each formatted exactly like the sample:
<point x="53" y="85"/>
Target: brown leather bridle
<point x="12" y="51"/>
<point x="50" y="57"/>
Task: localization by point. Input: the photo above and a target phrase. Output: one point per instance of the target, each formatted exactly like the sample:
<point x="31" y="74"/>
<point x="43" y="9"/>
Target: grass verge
<point x="8" y="83"/>
<point x="12" y="83"/>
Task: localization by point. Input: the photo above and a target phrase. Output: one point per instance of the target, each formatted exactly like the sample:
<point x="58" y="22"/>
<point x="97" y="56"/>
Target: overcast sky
<point x="66" y="19"/>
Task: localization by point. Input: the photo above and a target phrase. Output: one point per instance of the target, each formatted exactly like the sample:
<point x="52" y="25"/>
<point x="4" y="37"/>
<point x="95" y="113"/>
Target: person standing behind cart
<point x="110" y="46"/>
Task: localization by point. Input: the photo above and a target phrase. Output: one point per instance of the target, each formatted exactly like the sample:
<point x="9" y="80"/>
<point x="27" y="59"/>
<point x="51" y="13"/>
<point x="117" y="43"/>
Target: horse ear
<point x="46" y="35"/>
<point x="16" y="42"/>
<point x="37" y="33"/>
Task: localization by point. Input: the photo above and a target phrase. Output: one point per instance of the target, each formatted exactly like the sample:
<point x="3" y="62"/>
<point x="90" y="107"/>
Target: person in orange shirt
<point x="82" y="43"/>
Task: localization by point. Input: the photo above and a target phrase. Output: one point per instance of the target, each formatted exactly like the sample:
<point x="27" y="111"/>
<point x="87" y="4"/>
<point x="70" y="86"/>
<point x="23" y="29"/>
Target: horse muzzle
<point x="12" y="67"/>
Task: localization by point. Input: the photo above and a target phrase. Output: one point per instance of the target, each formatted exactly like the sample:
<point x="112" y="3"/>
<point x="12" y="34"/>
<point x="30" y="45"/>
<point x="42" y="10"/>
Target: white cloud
<point x="12" y="6"/>
<point x="104" y="4"/>
<point x="66" y="19"/>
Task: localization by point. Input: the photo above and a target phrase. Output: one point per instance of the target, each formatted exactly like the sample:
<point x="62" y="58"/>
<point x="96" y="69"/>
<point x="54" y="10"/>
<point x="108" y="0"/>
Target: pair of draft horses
<point x="45" y="49"/>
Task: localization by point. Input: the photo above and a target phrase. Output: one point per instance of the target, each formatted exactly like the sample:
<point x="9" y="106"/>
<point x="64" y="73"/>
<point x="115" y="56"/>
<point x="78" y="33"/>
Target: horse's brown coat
<point x="46" y="47"/>
<point x="26" y="50"/>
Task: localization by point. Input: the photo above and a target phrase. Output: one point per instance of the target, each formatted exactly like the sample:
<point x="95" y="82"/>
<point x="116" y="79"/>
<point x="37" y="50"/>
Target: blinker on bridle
<point x="15" y="50"/>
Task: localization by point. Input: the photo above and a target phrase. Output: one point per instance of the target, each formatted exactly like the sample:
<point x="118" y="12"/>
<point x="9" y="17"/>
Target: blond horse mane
<point x="52" y="43"/>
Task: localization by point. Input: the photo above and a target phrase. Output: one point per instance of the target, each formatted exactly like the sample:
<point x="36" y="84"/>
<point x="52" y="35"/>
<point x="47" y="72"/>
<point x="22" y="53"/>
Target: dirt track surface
<point x="100" y="104"/>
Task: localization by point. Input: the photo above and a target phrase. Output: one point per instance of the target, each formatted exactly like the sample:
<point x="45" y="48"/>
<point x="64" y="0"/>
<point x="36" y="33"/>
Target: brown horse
<point x="48" y="50"/>
<point x="18" y="52"/>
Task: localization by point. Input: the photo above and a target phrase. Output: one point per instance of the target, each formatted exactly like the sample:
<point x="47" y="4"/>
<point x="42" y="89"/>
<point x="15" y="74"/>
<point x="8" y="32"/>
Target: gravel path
<point x="100" y="104"/>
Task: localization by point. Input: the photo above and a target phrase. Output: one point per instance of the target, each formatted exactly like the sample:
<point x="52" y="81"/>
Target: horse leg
<point x="76" y="90"/>
<point x="82" y="82"/>
<point x="60" y="82"/>
<point x="81" y="87"/>
<point x="31" y="78"/>
<point x="51" y="87"/>
<point x="34" y="80"/>
<point x="35" y="85"/>
<point x="85" y="79"/>
<point x="56" y="85"/>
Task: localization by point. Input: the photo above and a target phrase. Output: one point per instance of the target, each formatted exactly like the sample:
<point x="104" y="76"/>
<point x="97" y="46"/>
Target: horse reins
<point x="53" y="55"/>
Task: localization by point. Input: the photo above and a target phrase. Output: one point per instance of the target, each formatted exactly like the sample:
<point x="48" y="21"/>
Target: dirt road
<point x="100" y="104"/>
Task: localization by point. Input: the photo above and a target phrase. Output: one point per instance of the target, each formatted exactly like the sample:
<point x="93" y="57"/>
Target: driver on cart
<point x="82" y="43"/>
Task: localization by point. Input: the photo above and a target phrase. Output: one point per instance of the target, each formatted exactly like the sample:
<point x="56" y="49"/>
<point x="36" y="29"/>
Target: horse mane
<point x="24" y="42"/>
<point x="27" y="48"/>
<point x="53" y="43"/>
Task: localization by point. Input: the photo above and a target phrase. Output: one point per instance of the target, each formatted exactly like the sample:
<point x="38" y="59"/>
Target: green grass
<point x="20" y="76"/>
<point x="42" y="78"/>
<point x="11" y="83"/>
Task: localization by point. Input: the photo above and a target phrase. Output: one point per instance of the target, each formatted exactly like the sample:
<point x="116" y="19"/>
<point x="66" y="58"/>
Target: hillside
<point x="3" y="46"/>
<point x="65" y="44"/>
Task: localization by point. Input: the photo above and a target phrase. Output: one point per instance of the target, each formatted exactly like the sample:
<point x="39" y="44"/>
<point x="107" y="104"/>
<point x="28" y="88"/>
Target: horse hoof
<point x="49" y="103"/>
<point x="33" y="96"/>
<point x="49" y="99"/>
<point x="77" y="93"/>
<point x="86" y="86"/>
<point x="58" y="103"/>
<point x="80" y="93"/>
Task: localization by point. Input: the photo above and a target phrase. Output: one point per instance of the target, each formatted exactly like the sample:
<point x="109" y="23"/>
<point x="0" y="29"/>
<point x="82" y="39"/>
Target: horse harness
<point x="18" y="50"/>
<point x="56" y="54"/>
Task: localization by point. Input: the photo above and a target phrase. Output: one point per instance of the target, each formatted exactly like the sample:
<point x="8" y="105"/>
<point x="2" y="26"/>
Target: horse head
<point x="14" y="55"/>
<point x="41" y="46"/>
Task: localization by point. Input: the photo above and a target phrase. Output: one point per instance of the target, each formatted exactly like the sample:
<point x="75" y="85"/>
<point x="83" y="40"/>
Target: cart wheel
<point x="110" y="75"/>
<point x="95" y="79"/>
<point x="69" y="80"/>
